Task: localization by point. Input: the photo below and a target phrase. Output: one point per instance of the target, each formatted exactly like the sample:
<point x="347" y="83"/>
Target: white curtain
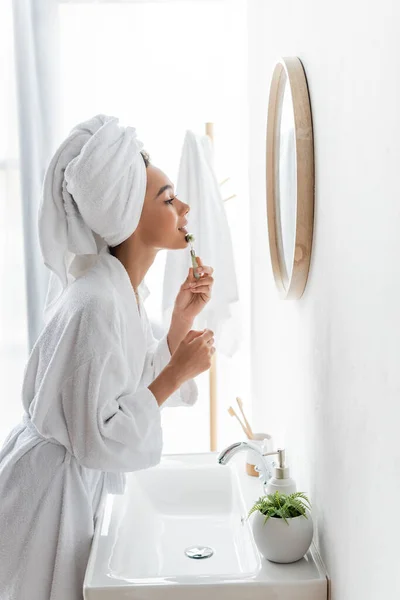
<point x="36" y="57"/>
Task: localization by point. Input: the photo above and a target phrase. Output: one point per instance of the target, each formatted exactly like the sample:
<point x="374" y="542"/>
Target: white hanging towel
<point x="197" y="185"/>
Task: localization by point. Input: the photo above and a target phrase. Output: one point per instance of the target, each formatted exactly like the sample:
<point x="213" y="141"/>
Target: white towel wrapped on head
<point x="93" y="195"/>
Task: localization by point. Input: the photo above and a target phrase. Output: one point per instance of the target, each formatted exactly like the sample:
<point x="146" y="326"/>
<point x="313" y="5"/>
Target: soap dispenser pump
<point x="280" y="480"/>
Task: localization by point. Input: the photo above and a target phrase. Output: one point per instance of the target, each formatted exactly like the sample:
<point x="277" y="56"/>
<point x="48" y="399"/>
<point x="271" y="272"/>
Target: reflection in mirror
<point x="286" y="192"/>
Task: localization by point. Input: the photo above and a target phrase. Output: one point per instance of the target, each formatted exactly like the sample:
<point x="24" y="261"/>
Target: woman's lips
<point x="183" y="229"/>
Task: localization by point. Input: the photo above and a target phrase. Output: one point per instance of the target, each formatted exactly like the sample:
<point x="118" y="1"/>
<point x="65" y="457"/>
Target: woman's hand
<point x="194" y="293"/>
<point x="192" y="357"/>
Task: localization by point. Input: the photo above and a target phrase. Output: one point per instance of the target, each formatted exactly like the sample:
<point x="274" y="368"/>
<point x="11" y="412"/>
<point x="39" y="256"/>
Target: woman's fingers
<point x="192" y="335"/>
<point x="206" y="291"/>
<point x="207" y="334"/>
<point x="203" y="268"/>
<point x="205" y="273"/>
<point x="206" y="280"/>
<point x="189" y="280"/>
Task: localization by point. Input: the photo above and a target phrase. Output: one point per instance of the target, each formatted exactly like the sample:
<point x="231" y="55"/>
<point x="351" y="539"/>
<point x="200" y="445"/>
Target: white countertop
<point x="303" y="580"/>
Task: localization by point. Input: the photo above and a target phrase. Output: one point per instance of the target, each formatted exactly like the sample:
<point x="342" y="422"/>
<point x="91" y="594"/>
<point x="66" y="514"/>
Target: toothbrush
<point x="232" y="412"/>
<point x="189" y="237"/>
<point x="240" y="404"/>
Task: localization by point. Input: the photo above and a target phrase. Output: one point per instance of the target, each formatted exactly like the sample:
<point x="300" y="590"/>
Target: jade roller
<point x="189" y="237"/>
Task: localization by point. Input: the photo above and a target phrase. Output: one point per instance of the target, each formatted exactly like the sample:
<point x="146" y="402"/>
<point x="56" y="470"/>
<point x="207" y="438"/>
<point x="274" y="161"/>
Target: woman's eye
<point x="170" y="200"/>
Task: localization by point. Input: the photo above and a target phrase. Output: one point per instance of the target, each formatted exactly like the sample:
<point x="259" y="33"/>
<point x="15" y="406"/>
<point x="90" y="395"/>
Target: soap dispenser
<point x="280" y="480"/>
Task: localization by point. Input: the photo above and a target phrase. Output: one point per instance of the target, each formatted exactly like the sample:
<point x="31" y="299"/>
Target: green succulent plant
<point x="282" y="506"/>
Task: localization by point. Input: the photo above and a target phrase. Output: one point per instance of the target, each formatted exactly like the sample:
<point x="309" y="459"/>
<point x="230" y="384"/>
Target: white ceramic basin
<point x="177" y="505"/>
<point x="189" y="501"/>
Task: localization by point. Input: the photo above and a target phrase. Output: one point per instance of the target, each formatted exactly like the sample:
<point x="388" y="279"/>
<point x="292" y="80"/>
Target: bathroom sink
<point x="180" y="531"/>
<point x="182" y="505"/>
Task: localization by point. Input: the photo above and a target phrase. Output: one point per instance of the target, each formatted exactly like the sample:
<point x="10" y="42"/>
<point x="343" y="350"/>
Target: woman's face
<point x="163" y="219"/>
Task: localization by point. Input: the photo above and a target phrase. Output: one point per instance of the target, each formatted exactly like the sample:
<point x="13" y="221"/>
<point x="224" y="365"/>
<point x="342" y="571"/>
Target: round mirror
<point x="290" y="177"/>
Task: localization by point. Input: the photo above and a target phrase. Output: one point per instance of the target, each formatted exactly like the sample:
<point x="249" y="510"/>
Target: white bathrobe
<point x="89" y="418"/>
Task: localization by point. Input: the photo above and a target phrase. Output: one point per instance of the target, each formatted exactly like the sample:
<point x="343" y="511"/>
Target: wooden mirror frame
<point x="293" y="287"/>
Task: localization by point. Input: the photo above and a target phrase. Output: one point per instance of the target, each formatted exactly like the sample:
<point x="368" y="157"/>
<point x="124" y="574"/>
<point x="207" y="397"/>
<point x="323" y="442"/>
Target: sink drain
<point x="198" y="552"/>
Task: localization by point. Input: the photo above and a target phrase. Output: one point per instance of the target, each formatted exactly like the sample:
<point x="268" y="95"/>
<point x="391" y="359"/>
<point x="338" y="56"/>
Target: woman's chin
<point x="181" y="241"/>
<point x="177" y="242"/>
<point x="181" y="244"/>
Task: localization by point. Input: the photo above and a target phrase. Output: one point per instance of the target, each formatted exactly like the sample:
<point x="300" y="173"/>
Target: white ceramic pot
<point x="283" y="542"/>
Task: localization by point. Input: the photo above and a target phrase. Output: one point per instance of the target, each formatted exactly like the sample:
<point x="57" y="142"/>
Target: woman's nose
<point x="185" y="208"/>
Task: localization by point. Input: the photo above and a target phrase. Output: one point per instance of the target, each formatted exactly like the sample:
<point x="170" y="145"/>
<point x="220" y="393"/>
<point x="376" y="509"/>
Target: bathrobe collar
<point x="122" y="275"/>
<point x="135" y="320"/>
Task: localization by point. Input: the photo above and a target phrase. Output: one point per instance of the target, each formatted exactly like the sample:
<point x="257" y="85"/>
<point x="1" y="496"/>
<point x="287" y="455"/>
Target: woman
<point x="96" y="377"/>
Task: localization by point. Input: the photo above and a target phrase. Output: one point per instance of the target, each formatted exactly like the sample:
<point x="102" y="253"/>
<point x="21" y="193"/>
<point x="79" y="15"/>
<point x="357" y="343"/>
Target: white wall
<point x="326" y="377"/>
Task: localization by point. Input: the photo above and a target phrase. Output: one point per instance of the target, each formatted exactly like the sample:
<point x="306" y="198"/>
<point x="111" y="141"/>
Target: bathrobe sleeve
<point x="93" y="396"/>
<point x="158" y="356"/>
<point x="89" y="394"/>
<point x="111" y="424"/>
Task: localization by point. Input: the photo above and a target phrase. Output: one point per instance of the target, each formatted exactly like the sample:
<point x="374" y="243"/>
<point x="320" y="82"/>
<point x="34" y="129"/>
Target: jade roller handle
<point x="190" y="239"/>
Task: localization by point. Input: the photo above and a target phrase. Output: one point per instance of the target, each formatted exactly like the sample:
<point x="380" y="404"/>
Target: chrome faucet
<point x="233" y="449"/>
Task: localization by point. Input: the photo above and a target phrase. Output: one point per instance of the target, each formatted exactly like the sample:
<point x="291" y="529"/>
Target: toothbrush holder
<point x="265" y="443"/>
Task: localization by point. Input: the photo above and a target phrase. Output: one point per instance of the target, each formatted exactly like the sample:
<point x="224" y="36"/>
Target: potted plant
<point x="282" y="527"/>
